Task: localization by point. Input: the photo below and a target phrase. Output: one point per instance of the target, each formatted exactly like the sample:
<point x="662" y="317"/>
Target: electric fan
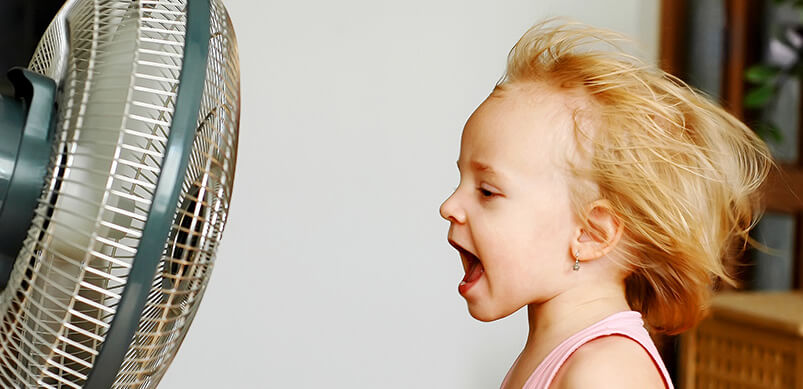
<point x="117" y="158"/>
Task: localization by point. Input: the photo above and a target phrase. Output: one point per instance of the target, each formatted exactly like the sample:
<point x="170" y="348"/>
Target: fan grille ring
<point x="72" y="269"/>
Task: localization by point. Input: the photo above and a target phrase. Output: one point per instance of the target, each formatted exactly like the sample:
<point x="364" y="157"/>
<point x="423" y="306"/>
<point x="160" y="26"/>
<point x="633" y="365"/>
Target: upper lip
<point x="463" y="253"/>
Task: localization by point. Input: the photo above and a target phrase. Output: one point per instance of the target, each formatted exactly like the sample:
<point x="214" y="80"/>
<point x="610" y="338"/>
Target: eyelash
<point x="485" y="193"/>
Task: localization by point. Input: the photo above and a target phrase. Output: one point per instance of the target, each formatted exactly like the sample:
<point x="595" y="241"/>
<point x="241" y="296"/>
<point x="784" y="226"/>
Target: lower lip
<point x="465" y="286"/>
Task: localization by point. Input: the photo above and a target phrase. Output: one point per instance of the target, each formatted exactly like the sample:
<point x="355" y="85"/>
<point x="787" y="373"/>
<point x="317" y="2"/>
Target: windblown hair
<point x="682" y="174"/>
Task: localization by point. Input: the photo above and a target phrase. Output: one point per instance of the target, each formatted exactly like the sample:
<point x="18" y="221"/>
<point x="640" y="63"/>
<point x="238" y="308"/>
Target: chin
<point x="486" y="314"/>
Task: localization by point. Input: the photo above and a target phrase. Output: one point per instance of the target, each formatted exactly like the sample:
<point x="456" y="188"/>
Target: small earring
<point x="576" y="266"/>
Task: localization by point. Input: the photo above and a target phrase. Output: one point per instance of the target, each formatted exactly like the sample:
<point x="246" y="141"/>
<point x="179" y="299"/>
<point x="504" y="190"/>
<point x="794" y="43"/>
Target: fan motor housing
<point x="26" y="130"/>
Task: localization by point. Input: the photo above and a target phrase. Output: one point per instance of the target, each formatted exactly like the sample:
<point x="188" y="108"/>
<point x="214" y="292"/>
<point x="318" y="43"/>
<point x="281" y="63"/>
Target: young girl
<point x="601" y="193"/>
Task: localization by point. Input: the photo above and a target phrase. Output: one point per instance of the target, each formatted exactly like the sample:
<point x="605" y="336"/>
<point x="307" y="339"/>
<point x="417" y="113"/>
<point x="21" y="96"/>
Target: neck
<point x="571" y="311"/>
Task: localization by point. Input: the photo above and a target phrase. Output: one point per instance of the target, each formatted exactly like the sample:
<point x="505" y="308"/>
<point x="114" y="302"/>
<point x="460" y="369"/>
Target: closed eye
<point x="485" y="192"/>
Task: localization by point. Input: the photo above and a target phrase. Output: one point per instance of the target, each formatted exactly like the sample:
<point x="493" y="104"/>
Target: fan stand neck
<point x="26" y="128"/>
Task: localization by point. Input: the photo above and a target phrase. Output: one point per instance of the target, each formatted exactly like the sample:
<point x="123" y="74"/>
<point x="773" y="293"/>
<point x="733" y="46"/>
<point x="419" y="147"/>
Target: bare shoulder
<point x="609" y="362"/>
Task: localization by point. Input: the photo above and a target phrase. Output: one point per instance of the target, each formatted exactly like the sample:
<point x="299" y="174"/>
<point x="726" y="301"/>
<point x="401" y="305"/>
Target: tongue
<point x="474" y="272"/>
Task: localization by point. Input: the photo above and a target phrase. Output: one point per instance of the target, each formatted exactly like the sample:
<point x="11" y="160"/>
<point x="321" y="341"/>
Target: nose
<point x="452" y="211"/>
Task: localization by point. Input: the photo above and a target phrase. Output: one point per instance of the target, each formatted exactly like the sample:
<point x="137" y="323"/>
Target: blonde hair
<point x="681" y="174"/>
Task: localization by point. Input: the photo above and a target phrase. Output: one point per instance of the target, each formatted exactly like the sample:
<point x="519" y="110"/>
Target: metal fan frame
<point x="135" y="194"/>
<point x="162" y="211"/>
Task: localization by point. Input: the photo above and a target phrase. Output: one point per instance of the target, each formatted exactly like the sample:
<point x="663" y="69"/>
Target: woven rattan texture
<point x="730" y="351"/>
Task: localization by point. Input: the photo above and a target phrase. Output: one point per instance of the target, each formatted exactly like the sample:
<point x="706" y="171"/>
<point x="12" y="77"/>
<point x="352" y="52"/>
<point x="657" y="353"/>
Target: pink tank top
<point x="628" y="324"/>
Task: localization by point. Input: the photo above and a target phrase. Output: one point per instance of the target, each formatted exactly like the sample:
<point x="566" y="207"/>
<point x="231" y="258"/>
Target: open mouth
<point x="472" y="266"/>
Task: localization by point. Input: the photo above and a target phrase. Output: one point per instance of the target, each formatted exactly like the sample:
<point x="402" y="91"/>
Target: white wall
<point x="334" y="270"/>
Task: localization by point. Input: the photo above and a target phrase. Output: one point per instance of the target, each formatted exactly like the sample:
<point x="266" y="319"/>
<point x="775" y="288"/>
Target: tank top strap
<point x="628" y="324"/>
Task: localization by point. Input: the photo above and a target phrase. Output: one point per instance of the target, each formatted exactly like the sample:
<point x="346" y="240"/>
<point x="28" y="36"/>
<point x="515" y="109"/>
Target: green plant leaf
<point x="759" y="96"/>
<point x="769" y="131"/>
<point x="759" y="74"/>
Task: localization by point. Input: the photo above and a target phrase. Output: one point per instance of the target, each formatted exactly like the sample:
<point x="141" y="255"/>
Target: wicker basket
<point x="751" y="340"/>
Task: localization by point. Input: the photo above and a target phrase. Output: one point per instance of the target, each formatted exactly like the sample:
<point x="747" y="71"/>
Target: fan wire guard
<point x="118" y="79"/>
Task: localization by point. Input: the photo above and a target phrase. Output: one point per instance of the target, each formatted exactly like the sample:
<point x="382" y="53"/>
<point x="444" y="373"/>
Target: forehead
<point x="519" y="127"/>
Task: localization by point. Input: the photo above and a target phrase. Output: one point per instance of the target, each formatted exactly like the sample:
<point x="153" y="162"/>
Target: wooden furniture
<point x="751" y="340"/>
<point x="783" y="191"/>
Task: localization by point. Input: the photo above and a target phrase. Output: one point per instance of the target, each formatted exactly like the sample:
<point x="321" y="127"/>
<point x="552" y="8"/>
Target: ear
<point x="601" y="237"/>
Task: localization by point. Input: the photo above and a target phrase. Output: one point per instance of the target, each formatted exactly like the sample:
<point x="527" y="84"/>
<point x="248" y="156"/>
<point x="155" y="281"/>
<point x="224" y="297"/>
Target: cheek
<point x="550" y="231"/>
<point x="525" y="234"/>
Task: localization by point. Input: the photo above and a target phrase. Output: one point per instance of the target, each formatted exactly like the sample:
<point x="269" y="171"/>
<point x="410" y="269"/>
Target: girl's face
<point x="511" y="217"/>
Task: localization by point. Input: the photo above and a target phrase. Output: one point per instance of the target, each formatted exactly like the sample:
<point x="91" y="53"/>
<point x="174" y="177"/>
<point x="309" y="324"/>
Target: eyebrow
<point x="484" y="168"/>
<point x="481" y="167"/>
